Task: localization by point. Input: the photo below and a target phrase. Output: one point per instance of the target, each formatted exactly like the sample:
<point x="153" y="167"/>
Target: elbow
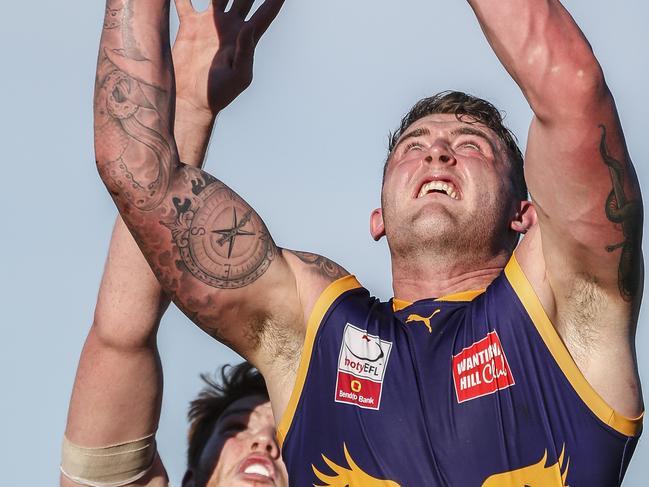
<point x="104" y="167"/>
<point x="569" y="87"/>
<point x="580" y="83"/>
<point x="122" y="336"/>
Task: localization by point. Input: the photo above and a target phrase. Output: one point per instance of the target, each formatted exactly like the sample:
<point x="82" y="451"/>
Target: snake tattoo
<point x="625" y="212"/>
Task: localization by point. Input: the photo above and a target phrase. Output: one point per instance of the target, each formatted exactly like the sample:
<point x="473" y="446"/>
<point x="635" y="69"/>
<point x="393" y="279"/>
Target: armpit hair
<point x="581" y="313"/>
<point x="276" y="339"/>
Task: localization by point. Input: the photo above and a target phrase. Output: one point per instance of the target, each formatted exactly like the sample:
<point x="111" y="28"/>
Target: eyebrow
<point x="410" y="135"/>
<point x="475" y="132"/>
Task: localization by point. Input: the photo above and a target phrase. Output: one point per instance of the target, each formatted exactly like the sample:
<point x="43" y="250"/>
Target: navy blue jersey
<point x="474" y="389"/>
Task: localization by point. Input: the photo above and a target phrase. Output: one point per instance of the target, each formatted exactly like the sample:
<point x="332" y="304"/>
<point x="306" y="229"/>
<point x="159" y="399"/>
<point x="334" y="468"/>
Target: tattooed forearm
<point x="222" y="241"/>
<point x="626" y="212"/>
<point x="135" y="150"/>
<point x="321" y="265"/>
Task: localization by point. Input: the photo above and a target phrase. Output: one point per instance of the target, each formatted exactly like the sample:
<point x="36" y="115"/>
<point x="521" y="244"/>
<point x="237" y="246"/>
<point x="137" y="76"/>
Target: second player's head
<point x="232" y="436"/>
<point x="453" y="183"/>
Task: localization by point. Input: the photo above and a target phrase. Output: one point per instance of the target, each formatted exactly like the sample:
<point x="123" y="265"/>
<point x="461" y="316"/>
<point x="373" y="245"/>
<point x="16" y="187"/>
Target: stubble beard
<point x="467" y="240"/>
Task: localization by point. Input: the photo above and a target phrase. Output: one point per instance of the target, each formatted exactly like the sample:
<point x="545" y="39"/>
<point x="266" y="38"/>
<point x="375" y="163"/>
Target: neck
<point x="437" y="277"/>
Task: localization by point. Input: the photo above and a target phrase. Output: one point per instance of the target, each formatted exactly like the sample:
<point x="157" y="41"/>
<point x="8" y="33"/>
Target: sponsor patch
<point x="361" y="368"/>
<point x="481" y="369"/>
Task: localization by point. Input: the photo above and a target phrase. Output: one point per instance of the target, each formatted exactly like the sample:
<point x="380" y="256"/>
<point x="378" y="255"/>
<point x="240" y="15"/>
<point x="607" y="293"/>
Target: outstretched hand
<point x="213" y="52"/>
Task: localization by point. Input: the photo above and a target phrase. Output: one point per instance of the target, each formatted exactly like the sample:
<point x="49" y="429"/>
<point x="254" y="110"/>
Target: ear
<point x="377" y="228"/>
<point x="525" y="217"/>
<point x="188" y="479"/>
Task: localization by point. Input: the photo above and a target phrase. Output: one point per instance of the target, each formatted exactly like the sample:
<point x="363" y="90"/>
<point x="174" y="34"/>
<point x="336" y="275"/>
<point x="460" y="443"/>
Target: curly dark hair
<point x="469" y="109"/>
<point x="236" y="382"/>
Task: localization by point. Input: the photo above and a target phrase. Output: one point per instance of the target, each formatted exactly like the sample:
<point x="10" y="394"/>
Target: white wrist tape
<point x="108" y="466"/>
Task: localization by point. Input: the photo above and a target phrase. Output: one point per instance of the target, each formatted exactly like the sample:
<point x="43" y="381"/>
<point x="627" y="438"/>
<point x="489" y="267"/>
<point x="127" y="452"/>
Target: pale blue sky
<point x="304" y="145"/>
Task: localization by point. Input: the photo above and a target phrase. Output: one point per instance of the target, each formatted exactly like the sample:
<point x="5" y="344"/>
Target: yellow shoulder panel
<point x="322" y="305"/>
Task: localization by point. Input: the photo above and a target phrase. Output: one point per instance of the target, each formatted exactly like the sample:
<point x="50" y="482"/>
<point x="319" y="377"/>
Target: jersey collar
<point x="399" y="304"/>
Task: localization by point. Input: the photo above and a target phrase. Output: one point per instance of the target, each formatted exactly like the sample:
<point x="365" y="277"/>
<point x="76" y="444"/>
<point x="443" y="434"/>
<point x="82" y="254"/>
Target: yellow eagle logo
<point x="352" y="476"/>
<point x="537" y="475"/>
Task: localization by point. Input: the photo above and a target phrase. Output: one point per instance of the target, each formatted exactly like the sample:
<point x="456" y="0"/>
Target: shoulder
<point x="313" y="274"/>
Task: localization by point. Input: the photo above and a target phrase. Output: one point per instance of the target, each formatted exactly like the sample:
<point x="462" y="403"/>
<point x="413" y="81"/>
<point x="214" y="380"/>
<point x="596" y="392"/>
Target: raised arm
<point x="208" y="247"/>
<point x="119" y="369"/>
<point x="585" y="258"/>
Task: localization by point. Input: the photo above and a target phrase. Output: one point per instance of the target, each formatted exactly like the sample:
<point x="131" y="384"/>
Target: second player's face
<point x="446" y="178"/>
<point x="244" y="443"/>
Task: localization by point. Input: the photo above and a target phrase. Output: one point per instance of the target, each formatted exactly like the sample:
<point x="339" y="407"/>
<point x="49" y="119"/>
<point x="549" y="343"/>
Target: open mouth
<point x="257" y="468"/>
<point x="439" y="186"/>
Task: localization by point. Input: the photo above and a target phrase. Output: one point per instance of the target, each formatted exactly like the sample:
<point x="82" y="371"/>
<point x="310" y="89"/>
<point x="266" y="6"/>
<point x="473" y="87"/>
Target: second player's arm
<point x="119" y="369"/>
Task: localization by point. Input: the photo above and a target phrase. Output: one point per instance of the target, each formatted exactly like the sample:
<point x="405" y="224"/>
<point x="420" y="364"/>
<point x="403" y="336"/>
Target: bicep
<point x="214" y="256"/>
<point x="587" y="196"/>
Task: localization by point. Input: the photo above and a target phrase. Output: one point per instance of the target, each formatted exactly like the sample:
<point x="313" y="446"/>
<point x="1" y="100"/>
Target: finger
<point x="245" y="49"/>
<point x="184" y="7"/>
<point x="264" y="16"/>
<point x="219" y="5"/>
<point x="242" y="7"/>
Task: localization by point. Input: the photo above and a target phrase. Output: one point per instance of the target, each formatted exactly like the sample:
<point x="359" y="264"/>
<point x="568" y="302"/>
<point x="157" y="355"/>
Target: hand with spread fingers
<point x="213" y="52"/>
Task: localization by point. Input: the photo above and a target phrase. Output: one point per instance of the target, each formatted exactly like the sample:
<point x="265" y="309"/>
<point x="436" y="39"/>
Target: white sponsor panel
<point x="363" y="355"/>
<point x="362" y="362"/>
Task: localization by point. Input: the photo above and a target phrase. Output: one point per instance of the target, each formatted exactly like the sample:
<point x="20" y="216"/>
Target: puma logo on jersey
<point x="424" y="319"/>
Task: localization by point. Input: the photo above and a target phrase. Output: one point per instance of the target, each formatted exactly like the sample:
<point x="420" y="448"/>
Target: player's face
<point x="244" y="443"/>
<point x="448" y="180"/>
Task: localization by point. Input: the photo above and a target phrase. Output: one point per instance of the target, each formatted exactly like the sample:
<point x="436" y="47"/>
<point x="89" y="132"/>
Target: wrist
<point x="193" y="113"/>
<point x="192" y="131"/>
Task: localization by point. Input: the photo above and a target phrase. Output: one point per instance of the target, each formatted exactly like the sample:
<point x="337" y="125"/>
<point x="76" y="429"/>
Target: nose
<point x="440" y="152"/>
<point x="264" y="442"/>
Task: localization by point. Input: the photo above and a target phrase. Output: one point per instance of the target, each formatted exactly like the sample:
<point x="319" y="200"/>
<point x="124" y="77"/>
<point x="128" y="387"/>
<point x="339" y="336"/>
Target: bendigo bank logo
<point x="361" y="367"/>
<point x="352" y="476"/>
<point x="481" y="369"/>
<point x="537" y="475"/>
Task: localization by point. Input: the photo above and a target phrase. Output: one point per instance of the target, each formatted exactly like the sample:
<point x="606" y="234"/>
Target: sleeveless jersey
<point x="475" y="389"/>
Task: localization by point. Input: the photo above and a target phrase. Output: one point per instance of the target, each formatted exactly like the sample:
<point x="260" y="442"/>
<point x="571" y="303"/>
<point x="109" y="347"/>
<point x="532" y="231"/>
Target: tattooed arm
<point x="584" y="259"/>
<point x="119" y="368"/>
<point x="208" y="248"/>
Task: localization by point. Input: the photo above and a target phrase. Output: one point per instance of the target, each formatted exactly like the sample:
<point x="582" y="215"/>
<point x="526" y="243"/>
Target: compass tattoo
<point x="221" y="240"/>
<point x="626" y="212"/>
<point x="230" y="234"/>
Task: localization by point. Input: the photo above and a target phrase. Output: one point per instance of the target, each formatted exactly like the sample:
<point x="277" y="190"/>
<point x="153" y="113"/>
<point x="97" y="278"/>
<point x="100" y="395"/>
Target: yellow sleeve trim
<point x="606" y="414"/>
<point x="322" y="305"/>
<point x="399" y="304"/>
